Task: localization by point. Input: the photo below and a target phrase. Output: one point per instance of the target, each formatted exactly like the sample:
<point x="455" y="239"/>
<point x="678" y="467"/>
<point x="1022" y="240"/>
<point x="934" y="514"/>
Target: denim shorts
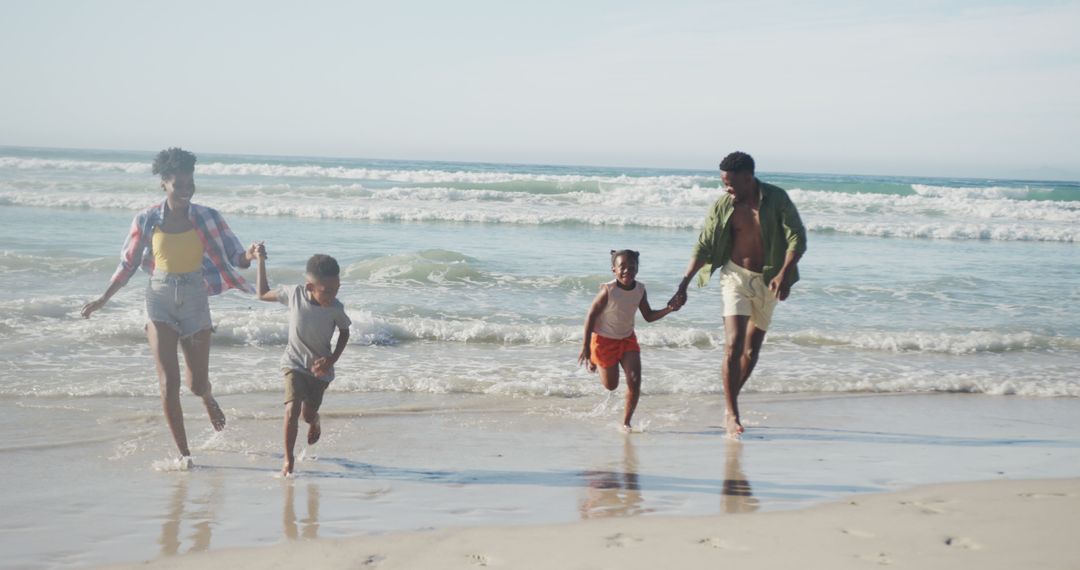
<point x="180" y="301"/>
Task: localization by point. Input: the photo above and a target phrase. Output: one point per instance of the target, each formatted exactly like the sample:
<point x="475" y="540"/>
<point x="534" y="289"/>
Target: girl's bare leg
<point x="609" y="377"/>
<point x="631" y="365"/>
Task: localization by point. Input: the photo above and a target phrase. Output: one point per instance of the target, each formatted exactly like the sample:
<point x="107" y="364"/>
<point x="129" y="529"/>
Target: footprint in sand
<point x="881" y="559"/>
<point x="857" y="533"/>
<point x="962" y="542"/>
<point x="721" y="544"/>
<point x="620" y="540"/>
<point x="373" y="560"/>
<point x="479" y="559"/>
<point x="1044" y="495"/>
<point x="927" y="508"/>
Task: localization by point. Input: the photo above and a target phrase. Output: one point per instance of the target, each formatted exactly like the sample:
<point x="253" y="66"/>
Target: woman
<point x="190" y="253"/>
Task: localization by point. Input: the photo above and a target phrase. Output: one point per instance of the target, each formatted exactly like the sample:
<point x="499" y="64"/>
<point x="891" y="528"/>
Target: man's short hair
<point x="627" y="253"/>
<point x="738" y="161"/>
<point x="322" y="266"/>
<point x="172" y="161"/>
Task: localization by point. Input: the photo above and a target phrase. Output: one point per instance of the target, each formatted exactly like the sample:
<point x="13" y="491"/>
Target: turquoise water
<point x="475" y="278"/>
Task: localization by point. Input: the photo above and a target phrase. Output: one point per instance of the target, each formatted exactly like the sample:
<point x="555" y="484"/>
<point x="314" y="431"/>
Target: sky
<point x="935" y="88"/>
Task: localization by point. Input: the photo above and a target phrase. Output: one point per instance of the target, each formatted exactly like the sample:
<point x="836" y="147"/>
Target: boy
<point x="314" y="313"/>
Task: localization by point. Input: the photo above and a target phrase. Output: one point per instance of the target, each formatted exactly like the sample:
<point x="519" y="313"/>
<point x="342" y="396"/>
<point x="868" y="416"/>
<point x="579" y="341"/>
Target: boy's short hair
<point x="738" y="161"/>
<point x="615" y="254"/>
<point x="322" y="266"/>
<point x="172" y="161"/>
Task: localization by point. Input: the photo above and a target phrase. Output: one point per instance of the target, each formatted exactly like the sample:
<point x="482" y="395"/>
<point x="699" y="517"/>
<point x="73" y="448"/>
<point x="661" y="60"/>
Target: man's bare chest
<point x="745" y="218"/>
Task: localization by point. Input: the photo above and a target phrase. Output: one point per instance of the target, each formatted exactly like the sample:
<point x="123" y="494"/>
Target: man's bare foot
<point x="314" y="431"/>
<point x="217" y="417"/>
<point x="287" y="469"/>
<point x="733" y="425"/>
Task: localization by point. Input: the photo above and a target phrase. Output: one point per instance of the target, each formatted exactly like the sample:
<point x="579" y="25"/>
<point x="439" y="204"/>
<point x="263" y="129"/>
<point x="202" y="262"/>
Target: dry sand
<point x="985" y="525"/>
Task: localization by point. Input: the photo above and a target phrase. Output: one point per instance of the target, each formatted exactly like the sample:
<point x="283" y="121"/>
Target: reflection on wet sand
<point x="310" y="524"/>
<point x="736" y="495"/>
<point x="200" y="512"/>
<point x="614" y="493"/>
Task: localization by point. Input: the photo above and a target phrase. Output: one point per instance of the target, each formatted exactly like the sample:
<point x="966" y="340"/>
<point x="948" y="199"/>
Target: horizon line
<point x="563" y="165"/>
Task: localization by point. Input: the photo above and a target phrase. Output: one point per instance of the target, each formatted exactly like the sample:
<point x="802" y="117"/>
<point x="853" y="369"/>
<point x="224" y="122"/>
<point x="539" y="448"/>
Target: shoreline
<point x="980" y="524"/>
<point x="399" y="464"/>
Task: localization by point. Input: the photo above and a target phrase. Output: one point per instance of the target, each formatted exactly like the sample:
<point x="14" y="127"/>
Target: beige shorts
<point x="305" y="388"/>
<point x="746" y="293"/>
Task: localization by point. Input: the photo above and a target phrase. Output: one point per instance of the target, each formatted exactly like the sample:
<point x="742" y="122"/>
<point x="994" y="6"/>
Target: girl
<point x="609" y="329"/>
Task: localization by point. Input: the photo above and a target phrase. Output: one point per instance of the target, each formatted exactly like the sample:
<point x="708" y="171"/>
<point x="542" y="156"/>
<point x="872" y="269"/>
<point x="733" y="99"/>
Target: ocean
<point x="475" y="278"/>
<point x="933" y="338"/>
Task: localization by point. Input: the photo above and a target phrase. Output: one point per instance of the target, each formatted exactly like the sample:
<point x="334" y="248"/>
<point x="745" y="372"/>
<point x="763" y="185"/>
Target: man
<point x="754" y="236"/>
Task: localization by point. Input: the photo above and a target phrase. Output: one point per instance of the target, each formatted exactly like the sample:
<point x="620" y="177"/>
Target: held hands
<point x="257" y="250"/>
<point x="584" y="359"/>
<point x="678" y="299"/>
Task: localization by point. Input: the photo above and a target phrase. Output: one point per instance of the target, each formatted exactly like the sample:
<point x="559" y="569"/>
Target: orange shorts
<point x="607" y="352"/>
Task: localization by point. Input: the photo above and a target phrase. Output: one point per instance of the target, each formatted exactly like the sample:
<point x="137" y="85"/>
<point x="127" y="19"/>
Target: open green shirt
<point x="781" y="231"/>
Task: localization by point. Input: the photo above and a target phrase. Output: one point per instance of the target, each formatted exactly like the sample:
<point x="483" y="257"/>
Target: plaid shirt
<point x="221" y="249"/>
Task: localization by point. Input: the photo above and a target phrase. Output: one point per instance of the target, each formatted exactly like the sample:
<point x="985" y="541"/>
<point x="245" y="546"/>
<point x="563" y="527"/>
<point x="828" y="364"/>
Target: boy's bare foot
<point x="287" y="469"/>
<point x="625" y="428"/>
<point x="185" y="463"/>
<point x="733" y="425"/>
<point x="314" y="431"/>
<point x="217" y="417"/>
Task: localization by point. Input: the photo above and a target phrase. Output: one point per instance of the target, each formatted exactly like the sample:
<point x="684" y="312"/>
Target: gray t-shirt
<point x="311" y="328"/>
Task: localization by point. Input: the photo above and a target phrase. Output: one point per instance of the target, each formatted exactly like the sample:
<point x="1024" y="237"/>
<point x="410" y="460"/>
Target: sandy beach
<point x="988" y="525"/>
<point x="417" y="478"/>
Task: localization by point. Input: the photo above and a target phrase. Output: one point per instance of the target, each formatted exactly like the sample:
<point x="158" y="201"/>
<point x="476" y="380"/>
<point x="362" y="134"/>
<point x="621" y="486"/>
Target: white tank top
<point x="617" y="318"/>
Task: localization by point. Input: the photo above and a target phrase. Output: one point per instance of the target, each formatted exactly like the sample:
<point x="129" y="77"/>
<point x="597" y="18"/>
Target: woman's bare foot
<point x="314" y="431"/>
<point x="733" y="425"/>
<point x="217" y="417"/>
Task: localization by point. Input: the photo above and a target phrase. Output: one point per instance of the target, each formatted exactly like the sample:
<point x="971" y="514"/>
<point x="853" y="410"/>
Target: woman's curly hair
<point x="172" y="161"/>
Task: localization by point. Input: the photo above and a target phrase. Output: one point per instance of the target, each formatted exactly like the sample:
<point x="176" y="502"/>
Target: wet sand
<point x="95" y="488"/>
<point x="987" y="525"/>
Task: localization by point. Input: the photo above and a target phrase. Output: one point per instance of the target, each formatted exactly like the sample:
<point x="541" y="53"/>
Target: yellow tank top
<point x="177" y="253"/>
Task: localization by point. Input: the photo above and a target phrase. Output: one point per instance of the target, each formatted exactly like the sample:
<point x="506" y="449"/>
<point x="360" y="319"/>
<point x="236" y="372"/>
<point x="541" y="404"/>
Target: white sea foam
<point x="37" y="265"/>
<point x="561" y="384"/>
<point x="177" y="464"/>
<point x="954" y="383"/>
<point x="57" y="317"/>
<point x="951" y="231"/>
<point x="986" y="192"/>
<point x="662" y="202"/>
<point x="941" y="343"/>
<point x="413" y="176"/>
<point x="80" y="165"/>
